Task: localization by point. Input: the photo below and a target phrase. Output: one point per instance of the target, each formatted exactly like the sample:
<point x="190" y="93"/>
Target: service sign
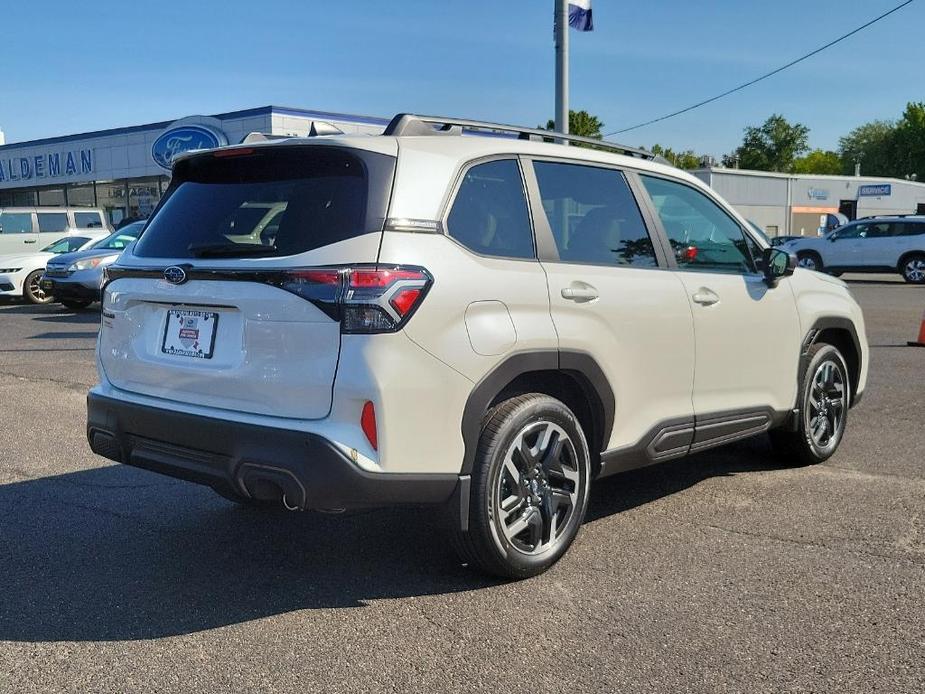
<point x="875" y="191"/>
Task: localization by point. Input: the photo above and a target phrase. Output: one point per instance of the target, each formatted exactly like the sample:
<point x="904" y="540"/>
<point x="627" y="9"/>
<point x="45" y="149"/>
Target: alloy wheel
<point x="36" y="291"/>
<point x="826" y="405"/>
<point x="808" y="262"/>
<point x="536" y="490"/>
<point x="914" y="270"/>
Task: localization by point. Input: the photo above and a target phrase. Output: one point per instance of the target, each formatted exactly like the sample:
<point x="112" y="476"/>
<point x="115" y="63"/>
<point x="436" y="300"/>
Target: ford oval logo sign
<point x="181" y="139"/>
<point x="175" y="275"/>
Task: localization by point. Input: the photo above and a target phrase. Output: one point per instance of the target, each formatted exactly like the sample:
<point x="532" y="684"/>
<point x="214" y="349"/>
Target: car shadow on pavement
<point x="115" y="553"/>
<point x="53" y="313"/>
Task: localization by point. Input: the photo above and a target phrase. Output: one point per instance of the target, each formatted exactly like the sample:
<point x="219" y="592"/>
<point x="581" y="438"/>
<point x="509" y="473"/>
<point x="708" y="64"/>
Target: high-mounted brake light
<point x="364" y="299"/>
<point x="234" y="152"/>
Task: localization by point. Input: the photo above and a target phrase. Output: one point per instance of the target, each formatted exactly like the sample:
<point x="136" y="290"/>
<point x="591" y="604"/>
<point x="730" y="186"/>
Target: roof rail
<point x="411" y="124"/>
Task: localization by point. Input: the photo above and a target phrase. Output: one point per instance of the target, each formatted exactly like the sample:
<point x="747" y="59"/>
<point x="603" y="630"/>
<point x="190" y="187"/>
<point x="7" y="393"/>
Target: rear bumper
<point x="249" y="460"/>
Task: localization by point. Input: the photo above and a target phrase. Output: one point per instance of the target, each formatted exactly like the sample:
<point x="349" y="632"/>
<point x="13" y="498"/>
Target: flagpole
<point x="561" y="31"/>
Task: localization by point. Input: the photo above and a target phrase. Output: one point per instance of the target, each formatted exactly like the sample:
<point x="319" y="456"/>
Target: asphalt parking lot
<point x="720" y="573"/>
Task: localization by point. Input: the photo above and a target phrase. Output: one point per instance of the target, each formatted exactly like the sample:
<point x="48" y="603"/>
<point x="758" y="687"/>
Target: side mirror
<point x="777" y="263"/>
<point x="833" y="237"/>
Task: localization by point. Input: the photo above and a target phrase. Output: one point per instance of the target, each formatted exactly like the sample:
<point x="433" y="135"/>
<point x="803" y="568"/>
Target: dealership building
<point x="126" y="170"/>
<point x="798" y="205"/>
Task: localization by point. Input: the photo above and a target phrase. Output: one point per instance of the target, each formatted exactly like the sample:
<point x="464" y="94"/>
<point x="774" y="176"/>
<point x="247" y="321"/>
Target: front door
<point x="747" y="335"/>
<point x="17" y="233"/>
<point x="612" y="297"/>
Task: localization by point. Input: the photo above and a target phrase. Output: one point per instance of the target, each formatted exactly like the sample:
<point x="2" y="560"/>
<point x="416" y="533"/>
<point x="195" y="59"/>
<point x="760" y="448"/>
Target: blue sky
<point x="74" y="66"/>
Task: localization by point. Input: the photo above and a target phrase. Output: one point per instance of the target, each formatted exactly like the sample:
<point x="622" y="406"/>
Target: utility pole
<point x="561" y="30"/>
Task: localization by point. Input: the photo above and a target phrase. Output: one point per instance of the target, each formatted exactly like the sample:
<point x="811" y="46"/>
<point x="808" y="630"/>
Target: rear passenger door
<point x="17" y="232"/>
<point x="747" y="335"/>
<point x="52" y="227"/>
<point x="612" y="296"/>
<point x="92" y="220"/>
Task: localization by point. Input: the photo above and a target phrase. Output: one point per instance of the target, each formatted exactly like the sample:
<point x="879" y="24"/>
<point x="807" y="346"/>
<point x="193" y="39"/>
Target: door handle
<point x="580" y="292"/>
<point x="705" y="297"/>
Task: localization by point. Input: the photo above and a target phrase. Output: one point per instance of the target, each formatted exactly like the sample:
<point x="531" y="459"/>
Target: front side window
<point x="489" y="215"/>
<point x="703" y="236"/>
<point x="593" y="215"/>
<point x="52" y="221"/>
<point x="88" y="220"/>
<point x="15" y="222"/>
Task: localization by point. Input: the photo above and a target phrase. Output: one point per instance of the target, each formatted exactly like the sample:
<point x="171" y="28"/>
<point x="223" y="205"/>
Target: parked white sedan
<point x="20" y="274"/>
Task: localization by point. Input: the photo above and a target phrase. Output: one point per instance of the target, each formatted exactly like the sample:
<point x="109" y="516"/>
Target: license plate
<point x="190" y="333"/>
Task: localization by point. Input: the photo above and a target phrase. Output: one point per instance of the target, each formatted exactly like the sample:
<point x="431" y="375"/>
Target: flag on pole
<point x="579" y="15"/>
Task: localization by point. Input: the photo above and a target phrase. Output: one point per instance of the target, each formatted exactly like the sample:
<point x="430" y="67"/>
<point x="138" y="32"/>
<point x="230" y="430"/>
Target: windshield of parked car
<point x="269" y="202"/>
<point x="117" y="241"/>
<point x="68" y="245"/>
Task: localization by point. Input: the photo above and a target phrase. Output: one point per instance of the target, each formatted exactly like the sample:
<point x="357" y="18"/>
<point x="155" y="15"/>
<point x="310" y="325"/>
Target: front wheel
<point x="824" y="401"/>
<point x="529" y="489"/>
<point x="809" y="260"/>
<point x="32" y="289"/>
<point x="913" y="269"/>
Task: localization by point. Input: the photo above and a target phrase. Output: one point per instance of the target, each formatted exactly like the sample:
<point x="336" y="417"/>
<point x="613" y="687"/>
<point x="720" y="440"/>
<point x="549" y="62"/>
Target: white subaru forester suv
<point x="435" y="317"/>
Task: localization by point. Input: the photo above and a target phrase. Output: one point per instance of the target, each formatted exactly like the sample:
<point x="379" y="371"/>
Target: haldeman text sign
<point x="46" y="166"/>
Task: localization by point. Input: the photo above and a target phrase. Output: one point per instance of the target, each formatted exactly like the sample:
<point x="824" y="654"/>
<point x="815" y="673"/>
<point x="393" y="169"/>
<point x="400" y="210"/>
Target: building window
<point x="81" y="195"/>
<point x="51" y="197"/>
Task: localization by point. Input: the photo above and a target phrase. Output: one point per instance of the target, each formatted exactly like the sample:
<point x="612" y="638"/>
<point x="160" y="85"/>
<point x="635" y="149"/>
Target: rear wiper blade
<point x="214" y="250"/>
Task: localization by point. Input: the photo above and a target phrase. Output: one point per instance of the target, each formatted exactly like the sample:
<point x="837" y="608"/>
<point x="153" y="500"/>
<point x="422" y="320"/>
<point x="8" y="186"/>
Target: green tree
<point x="819" y="162"/>
<point x="580" y="123"/>
<point x="773" y="146"/>
<point x="688" y="159"/>
<point x="909" y="142"/>
<point x="873" y="144"/>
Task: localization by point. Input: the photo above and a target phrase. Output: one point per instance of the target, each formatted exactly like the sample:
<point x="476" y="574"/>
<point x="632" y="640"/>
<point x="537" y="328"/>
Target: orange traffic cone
<point x="921" y="341"/>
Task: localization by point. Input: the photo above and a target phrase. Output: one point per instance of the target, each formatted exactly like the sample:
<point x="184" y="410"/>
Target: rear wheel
<point x="809" y="260"/>
<point x="824" y="402"/>
<point x="913" y="268"/>
<point x="75" y="304"/>
<point x="529" y="489"/>
<point x="32" y="289"/>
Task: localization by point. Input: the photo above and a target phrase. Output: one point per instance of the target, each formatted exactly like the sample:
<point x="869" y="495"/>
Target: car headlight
<point x="91" y="263"/>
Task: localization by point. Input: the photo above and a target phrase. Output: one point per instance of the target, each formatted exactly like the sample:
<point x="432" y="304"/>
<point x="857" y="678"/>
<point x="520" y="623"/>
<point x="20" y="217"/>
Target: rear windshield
<point x="271" y="201"/>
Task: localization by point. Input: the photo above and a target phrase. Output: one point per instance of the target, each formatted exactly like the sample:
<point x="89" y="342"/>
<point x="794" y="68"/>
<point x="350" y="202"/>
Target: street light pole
<point x="561" y="23"/>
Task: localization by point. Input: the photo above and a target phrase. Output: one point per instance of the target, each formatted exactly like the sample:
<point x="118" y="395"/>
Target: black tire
<point x="912" y="268"/>
<point x="31" y="292"/>
<point x="810" y="444"/>
<point x="75" y="304"/>
<point x="810" y="260"/>
<point x="546" y="488"/>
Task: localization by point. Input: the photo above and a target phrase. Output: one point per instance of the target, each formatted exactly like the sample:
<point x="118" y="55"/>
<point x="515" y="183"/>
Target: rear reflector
<point x="368" y="424"/>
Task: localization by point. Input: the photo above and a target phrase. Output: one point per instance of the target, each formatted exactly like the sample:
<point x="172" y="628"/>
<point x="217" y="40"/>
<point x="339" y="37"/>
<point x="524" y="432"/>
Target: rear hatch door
<point x="221" y="302"/>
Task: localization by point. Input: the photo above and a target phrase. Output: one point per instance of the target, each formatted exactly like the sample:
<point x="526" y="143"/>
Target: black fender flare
<point x="579" y="365"/>
<point x="826" y="323"/>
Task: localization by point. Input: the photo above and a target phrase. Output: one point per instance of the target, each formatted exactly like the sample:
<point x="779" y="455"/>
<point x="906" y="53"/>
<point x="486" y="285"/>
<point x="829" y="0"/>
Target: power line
<point x="765" y="76"/>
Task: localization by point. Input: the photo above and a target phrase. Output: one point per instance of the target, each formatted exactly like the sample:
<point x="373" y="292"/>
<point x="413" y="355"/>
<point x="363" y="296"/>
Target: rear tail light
<point x="363" y="299"/>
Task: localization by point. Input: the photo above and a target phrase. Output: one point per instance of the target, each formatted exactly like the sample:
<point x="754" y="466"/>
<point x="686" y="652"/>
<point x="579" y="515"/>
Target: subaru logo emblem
<point x="175" y="275"/>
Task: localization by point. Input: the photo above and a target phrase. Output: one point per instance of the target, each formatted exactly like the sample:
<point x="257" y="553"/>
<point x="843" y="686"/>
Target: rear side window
<point x="912" y="229"/>
<point x="15" y="223"/>
<point x="489" y="215"/>
<point x="593" y="215"/>
<point x="52" y="221"/>
<point x="270" y="202"/>
<point x="88" y="220"/>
